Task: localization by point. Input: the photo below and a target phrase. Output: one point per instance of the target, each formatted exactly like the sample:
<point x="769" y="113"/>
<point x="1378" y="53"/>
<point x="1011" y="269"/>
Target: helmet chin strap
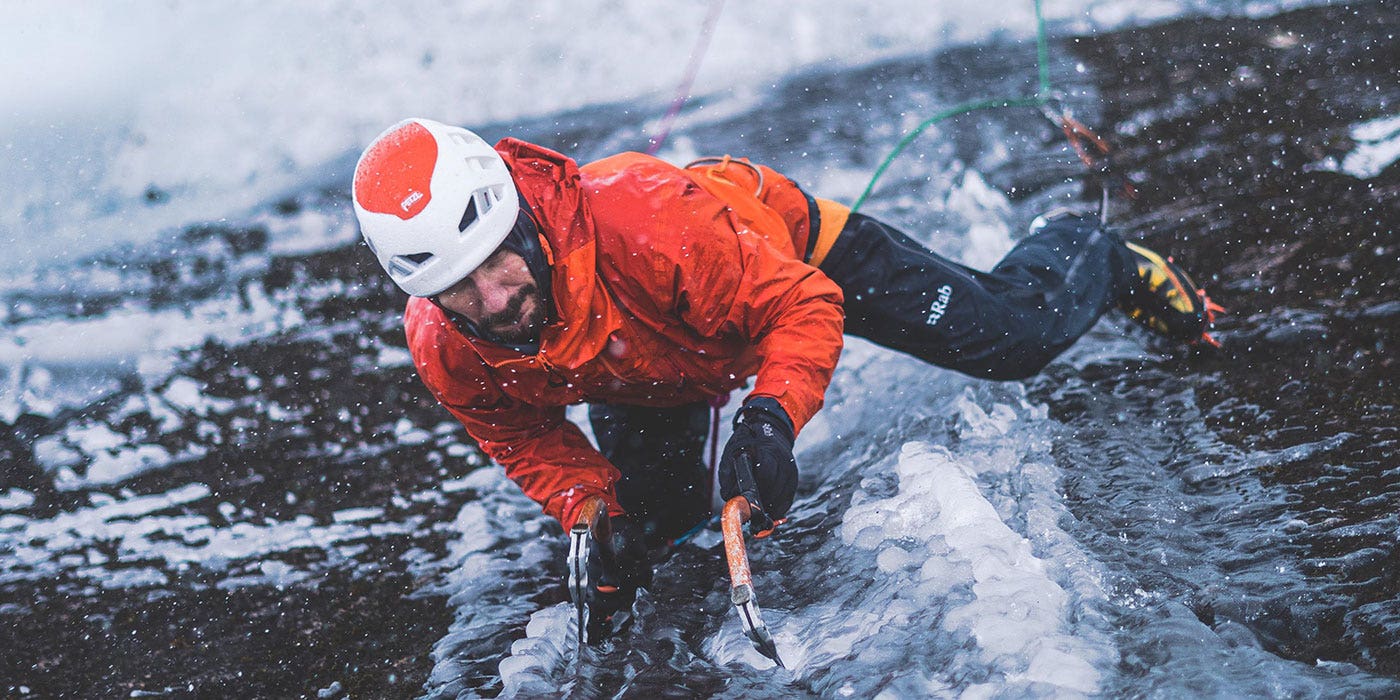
<point x="523" y="240"/>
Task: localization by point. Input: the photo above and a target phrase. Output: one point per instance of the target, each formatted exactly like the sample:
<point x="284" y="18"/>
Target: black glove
<point x="616" y="569"/>
<point x="758" y="461"/>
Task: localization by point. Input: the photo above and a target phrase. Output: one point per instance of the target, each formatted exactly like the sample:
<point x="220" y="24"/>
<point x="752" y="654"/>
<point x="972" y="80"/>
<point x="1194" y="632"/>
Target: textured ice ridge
<point x="1018" y="616"/>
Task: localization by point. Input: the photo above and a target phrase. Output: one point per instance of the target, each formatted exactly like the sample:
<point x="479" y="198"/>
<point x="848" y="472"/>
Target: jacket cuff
<point x="565" y="505"/>
<point x="768" y="405"/>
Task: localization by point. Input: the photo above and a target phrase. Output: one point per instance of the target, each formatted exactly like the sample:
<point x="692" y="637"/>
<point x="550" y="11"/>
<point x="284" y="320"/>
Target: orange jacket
<point x="664" y="294"/>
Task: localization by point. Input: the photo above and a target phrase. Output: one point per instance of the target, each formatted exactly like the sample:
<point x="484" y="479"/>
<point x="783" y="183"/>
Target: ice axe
<point x="592" y="528"/>
<point x="737" y="511"/>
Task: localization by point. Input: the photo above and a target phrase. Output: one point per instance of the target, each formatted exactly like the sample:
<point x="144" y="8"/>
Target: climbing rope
<point x="1044" y="98"/>
<point x="697" y="54"/>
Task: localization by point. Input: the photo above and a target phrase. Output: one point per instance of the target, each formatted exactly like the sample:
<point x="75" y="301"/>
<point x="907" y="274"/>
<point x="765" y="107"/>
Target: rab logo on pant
<point x="939" y="306"/>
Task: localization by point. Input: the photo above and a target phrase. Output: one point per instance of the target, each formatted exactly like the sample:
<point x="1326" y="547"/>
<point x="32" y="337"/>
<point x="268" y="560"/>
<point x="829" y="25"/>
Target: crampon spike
<point x="1210" y="308"/>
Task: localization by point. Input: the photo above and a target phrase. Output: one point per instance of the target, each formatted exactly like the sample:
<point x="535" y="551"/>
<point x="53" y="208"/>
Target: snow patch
<point x="188" y="394"/>
<point x="119" y="465"/>
<point x="1377" y="146"/>
<point x="55" y="363"/>
<point x="16" y="499"/>
<point x="113" y="542"/>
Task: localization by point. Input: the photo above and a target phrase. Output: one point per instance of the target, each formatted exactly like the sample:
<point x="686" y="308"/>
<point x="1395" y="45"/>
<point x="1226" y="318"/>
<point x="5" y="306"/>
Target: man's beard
<point x="513" y="324"/>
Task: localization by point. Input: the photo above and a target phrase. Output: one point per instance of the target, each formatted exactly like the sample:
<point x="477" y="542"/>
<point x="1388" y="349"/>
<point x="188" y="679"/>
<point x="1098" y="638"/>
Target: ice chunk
<point x="944" y="555"/>
<point x="119" y="465"/>
<point x="16" y="499"/>
<point x="406" y="433"/>
<point x="188" y="394"/>
<point x="353" y="515"/>
<point x="1019" y="612"/>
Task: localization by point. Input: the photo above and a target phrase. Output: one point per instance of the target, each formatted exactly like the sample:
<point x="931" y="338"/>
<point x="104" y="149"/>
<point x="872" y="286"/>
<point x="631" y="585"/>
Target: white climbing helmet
<point x="434" y="201"/>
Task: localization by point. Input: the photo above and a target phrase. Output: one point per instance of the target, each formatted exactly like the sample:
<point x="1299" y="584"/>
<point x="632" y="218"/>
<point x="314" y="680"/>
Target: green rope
<point x="1041" y="97"/>
<point x="1042" y="54"/>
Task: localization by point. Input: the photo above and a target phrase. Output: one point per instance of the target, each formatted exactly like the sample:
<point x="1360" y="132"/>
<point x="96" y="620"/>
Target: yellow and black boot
<point x="1165" y="300"/>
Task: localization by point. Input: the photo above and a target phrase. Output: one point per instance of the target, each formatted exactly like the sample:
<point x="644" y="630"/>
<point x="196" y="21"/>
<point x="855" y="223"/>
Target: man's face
<point x="500" y="297"/>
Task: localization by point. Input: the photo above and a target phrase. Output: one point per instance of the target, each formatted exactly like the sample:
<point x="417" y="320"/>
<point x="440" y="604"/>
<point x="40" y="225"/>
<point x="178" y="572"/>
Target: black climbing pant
<point x="665" y="485"/>
<point x="1004" y="324"/>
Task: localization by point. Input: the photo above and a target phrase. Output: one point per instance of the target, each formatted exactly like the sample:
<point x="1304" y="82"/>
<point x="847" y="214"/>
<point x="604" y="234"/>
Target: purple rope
<point x="683" y="90"/>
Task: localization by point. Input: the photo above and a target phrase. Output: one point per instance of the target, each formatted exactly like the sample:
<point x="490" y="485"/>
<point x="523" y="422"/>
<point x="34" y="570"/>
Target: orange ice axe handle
<point x="591" y="528"/>
<point x="741" y="593"/>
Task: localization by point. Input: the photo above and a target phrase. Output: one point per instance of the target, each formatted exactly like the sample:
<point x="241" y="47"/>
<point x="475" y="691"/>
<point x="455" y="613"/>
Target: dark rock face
<point x="1228" y="127"/>
<point x="275" y="519"/>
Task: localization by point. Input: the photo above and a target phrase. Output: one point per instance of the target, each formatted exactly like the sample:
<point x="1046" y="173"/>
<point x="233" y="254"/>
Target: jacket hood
<point x="550" y="183"/>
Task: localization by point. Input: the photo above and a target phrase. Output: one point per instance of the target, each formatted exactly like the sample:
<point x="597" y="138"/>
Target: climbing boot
<point x="1165" y="300"/>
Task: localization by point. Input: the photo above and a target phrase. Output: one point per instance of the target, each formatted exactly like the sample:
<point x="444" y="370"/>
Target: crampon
<point x="1166" y="301"/>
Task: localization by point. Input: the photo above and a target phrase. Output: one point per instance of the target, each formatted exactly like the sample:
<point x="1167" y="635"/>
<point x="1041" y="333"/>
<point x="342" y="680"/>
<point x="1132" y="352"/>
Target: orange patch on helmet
<point x="395" y="174"/>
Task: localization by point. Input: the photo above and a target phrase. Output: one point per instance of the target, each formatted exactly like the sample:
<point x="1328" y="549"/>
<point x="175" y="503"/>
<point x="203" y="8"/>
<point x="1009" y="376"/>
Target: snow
<point x="406" y="433"/>
<point x="352" y="515"/>
<point x="55" y="363"/>
<point x="119" y="465"/>
<point x="391" y="356"/>
<point x="210" y="109"/>
<point x="1377" y="147"/>
<point x="168" y="528"/>
<point x="15" y="499"/>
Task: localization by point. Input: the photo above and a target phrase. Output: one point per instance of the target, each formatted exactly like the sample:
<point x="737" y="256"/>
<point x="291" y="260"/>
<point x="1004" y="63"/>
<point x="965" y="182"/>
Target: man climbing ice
<point x="651" y="292"/>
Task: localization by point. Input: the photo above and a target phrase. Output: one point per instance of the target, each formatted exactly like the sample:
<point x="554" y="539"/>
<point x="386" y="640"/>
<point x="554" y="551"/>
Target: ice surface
<point x="472" y="575"/>
<point x="1018" y="617"/>
<point x="948" y="572"/>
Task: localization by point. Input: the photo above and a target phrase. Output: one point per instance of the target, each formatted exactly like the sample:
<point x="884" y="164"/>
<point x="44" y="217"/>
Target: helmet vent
<point x="488" y="196"/>
<point x="403" y="265"/>
<point x="469" y="216"/>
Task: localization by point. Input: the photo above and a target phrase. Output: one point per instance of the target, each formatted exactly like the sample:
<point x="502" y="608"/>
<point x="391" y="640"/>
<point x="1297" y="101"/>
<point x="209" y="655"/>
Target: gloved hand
<point x="758" y="461"/>
<point x="616" y="569"/>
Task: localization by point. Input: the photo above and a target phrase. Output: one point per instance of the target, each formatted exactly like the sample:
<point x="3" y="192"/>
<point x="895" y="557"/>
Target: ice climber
<point x="648" y="291"/>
